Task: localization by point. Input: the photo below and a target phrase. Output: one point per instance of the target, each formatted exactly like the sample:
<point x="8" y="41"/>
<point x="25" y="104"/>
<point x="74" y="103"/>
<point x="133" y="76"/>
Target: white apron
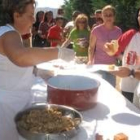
<point x="15" y="92"/>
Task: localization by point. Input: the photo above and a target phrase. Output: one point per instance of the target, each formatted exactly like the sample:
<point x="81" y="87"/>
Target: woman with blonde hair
<point x="99" y="36"/>
<point x="79" y="36"/>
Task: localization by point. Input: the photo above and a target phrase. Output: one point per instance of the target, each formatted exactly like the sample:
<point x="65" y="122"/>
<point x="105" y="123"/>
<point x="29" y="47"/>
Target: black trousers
<point x="128" y="95"/>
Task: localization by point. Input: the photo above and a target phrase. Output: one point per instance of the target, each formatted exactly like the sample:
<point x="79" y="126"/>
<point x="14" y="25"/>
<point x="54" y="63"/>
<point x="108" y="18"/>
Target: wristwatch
<point x="132" y="73"/>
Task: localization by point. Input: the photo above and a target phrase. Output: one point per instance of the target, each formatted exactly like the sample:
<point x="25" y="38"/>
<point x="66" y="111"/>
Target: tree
<point x="85" y="6"/>
<point x="126" y="14"/>
<point x="68" y="8"/>
<point x="125" y="11"/>
<point x="98" y="4"/>
<point x="0" y="9"/>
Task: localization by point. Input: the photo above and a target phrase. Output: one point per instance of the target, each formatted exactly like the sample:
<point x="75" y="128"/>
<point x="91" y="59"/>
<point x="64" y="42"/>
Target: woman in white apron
<point x="16" y="63"/>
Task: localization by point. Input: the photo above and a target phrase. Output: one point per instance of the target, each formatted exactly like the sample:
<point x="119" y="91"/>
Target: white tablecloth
<point x="112" y="114"/>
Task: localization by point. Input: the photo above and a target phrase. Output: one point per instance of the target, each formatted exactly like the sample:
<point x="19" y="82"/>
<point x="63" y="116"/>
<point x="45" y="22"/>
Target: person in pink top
<point x="99" y="36"/>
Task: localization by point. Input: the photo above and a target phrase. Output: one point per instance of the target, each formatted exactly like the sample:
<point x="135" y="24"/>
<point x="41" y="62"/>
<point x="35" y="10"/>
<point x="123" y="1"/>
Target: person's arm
<point x="34" y="31"/>
<point x="116" y="47"/>
<point x="27" y="40"/>
<point x="126" y="72"/>
<point x="124" y="40"/>
<point x="91" y="49"/>
<point x="41" y="30"/>
<point x="66" y="43"/>
<point x="137" y="74"/>
<point x="54" y="40"/>
<point x="121" y="72"/>
<point x="13" y="48"/>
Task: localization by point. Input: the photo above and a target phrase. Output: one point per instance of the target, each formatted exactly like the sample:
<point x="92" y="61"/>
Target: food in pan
<point x="47" y="121"/>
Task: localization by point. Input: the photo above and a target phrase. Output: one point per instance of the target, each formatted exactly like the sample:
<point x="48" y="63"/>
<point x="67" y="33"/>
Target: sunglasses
<point x="81" y="22"/>
<point x="108" y="15"/>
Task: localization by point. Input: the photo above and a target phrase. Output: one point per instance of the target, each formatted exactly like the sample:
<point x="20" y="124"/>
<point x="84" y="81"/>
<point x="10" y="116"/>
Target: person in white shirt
<point x="127" y="43"/>
<point x="17" y="61"/>
<point x="125" y="72"/>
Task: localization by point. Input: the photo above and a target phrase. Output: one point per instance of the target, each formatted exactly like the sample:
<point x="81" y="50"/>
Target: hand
<point x="66" y="54"/>
<point x="89" y="63"/>
<point x="107" y="47"/>
<point x="111" y="48"/>
<point x="121" y="72"/>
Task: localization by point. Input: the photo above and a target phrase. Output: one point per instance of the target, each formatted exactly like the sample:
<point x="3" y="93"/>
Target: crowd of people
<point x="90" y="37"/>
<point x="26" y="42"/>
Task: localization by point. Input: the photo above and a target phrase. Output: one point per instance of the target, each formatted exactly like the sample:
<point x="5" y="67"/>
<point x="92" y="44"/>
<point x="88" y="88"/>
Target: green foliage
<point x="98" y="4"/>
<point x="138" y="4"/>
<point x="68" y="7"/>
<point x="126" y="16"/>
<point x="85" y="6"/>
<point x="125" y="9"/>
<point x="0" y="9"/>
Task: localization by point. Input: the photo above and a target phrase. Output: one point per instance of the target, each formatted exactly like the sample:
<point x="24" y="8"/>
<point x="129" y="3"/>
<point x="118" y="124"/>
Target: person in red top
<point x="55" y="33"/>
